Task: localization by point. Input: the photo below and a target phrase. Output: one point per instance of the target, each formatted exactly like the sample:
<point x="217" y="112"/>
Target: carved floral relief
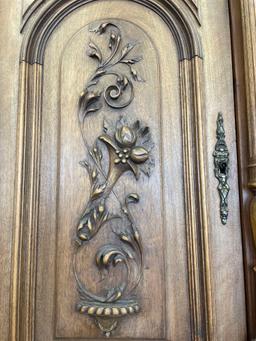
<point x="129" y="147"/>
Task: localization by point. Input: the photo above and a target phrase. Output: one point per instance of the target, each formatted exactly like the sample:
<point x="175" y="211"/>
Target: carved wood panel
<point x="70" y="138"/>
<point x="109" y="105"/>
<point x="114" y="207"/>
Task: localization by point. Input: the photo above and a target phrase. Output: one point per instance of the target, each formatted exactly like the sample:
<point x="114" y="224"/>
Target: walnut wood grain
<point x="244" y="101"/>
<point x="193" y="276"/>
<point x="10" y="42"/>
<point x="197" y="283"/>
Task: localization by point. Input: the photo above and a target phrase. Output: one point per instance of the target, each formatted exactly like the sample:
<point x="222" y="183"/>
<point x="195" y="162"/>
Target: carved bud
<point x="125" y="136"/>
<point x="139" y="155"/>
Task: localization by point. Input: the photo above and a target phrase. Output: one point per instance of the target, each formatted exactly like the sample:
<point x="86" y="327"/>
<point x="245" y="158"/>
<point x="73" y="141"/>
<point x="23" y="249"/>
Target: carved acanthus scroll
<point x="121" y="93"/>
<point x="129" y="149"/>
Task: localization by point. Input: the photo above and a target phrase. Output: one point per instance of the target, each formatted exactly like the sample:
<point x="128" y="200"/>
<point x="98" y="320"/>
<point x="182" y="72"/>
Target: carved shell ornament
<point x="129" y="147"/>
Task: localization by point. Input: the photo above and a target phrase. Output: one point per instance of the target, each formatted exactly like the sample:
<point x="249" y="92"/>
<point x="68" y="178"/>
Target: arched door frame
<point x="37" y="28"/>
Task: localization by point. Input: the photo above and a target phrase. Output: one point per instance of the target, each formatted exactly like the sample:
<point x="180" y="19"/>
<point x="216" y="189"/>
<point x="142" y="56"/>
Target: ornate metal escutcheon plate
<point x="221" y="170"/>
<point x="124" y="145"/>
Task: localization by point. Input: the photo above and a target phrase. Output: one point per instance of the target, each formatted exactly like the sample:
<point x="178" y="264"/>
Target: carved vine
<point x="129" y="149"/>
<point x="114" y="95"/>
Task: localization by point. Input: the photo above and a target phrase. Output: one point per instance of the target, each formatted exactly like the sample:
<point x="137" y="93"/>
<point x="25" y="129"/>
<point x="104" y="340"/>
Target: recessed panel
<point x="112" y="130"/>
<point x="114" y="139"/>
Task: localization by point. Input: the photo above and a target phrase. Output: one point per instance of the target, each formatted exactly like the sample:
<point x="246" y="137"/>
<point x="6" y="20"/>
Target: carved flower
<point x="132" y="144"/>
<point x="126" y="139"/>
<point x="125" y="136"/>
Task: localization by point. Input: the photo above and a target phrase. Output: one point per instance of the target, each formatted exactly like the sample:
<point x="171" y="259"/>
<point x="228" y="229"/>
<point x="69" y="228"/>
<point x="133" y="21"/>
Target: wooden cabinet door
<point x="127" y="213"/>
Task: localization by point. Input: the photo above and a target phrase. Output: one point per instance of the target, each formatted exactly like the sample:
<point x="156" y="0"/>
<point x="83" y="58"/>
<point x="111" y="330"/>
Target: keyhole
<point x="223" y="167"/>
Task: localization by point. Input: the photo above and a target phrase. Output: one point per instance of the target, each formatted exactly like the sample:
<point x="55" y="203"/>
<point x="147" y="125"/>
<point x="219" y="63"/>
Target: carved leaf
<point x="135" y="75"/>
<point x="115" y="294"/>
<point x="98" y="191"/>
<point x="144" y="131"/>
<point x="123" y="81"/>
<point x="136" y="125"/>
<point x="88" y="102"/>
<point x="111" y="255"/>
<point x="96" y="154"/>
<point x="128" y="47"/>
<point x="94" y="52"/>
<point x="94" y="174"/>
<point x="91" y="222"/>
<point x="114" y="39"/>
<point x="127" y="238"/>
<point x="101" y="28"/>
<point x="132" y="60"/>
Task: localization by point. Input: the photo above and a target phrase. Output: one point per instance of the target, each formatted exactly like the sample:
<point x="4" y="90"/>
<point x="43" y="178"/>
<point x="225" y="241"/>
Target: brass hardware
<point x="129" y="147"/>
<point x="221" y="170"/>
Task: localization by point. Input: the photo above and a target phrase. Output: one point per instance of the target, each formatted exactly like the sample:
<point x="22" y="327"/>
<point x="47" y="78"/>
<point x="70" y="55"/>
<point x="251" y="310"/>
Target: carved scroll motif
<point x="129" y="147"/>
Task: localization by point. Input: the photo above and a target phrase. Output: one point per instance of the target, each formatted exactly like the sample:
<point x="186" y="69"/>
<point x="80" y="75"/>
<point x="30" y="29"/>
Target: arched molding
<point x="37" y="29"/>
<point x="51" y="14"/>
<point x="30" y="10"/>
<point x="194" y="6"/>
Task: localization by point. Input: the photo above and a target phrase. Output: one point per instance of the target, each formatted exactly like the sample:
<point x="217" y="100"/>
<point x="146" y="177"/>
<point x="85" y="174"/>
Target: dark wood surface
<point x="193" y="285"/>
<point x="243" y="159"/>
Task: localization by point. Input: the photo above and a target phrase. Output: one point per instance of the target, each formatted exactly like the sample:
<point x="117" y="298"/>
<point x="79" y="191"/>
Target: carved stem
<point x="138" y="246"/>
<point x="115" y="172"/>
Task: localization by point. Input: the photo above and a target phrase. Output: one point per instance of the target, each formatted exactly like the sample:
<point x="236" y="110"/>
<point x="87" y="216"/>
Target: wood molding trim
<point x="50" y="16"/>
<point x="243" y="29"/>
<point x="37" y="32"/>
<point x="194" y="6"/>
<point x="26" y="206"/>
<point x="201" y="303"/>
<point x="34" y="6"/>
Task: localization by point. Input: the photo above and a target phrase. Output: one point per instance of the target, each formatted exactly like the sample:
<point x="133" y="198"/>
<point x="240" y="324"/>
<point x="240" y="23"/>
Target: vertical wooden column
<point x="243" y="27"/>
<point x="248" y="10"/>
